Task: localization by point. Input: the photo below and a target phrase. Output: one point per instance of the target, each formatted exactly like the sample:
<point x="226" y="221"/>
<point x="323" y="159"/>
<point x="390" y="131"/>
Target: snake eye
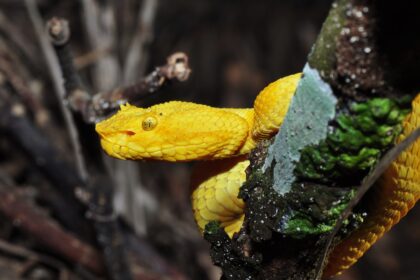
<point x="149" y="123"/>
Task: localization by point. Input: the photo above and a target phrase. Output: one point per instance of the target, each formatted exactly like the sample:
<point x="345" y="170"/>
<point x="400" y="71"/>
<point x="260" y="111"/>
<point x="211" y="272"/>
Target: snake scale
<point x="222" y="137"/>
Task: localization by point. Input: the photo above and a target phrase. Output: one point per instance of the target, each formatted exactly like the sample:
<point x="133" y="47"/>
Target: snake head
<point x="173" y="131"/>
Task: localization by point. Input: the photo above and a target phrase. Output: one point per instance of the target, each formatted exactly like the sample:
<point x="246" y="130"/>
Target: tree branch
<point x="93" y="109"/>
<point x="54" y="69"/>
<point x="323" y="160"/>
<point x="57" y="239"/>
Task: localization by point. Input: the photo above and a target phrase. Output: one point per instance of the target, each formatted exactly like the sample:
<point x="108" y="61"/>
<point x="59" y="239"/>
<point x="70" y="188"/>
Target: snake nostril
<point x="129" y="132"/>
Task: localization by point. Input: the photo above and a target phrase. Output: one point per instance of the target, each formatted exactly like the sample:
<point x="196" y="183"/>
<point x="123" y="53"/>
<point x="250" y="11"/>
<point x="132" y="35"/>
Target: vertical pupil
<point x="149" y="123"/>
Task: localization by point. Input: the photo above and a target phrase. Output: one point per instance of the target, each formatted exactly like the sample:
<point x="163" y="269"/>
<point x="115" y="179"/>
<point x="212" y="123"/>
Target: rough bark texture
<point x="286" y="227"/>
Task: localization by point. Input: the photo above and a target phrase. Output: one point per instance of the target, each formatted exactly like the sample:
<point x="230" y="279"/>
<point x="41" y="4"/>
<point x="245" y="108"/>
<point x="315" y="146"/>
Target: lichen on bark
<point x="306" y="123"/>
<point x="321" y="57"/>
<point x="297" y="188"/>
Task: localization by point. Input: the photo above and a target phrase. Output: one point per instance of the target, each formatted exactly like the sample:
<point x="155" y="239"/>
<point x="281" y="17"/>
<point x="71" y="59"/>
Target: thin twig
<point x="54" y="69"/>
<point x="59" y="33"/>
<point x="176" y="68"/>
<point x="18" y="39"/>
<point x="21" y="88"/>
<point x="90" y="58"/>
<point x="23" y="252"/>
<point x="101" y="211"/>
<point x="98" y="194"/>
<point x="142" y="249"/>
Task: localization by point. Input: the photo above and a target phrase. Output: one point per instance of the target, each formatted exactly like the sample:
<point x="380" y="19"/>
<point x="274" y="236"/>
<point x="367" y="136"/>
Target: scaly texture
<point x="398" y="191"/>
<point x="182" y="131"/>
<point x="215" y="198"/>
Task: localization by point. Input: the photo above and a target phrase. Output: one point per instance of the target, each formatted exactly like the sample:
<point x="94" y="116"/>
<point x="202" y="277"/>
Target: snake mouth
<point x="115" y="150"/>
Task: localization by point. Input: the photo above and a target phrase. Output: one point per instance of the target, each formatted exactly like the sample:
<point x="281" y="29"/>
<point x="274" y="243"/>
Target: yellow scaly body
<point x="182" y="131"/>
<point x="216" y="186"/>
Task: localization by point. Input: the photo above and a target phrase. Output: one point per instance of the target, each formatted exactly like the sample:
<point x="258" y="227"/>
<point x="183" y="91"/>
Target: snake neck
<point x="250" y="142"/>
<point x="270" y="108"/>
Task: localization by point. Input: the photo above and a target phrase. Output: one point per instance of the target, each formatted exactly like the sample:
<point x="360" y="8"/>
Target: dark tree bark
<point x="315" y="163"/>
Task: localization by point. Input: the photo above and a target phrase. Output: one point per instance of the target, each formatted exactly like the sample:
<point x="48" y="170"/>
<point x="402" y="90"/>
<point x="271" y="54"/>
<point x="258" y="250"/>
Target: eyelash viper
<point x="221" y="138"/>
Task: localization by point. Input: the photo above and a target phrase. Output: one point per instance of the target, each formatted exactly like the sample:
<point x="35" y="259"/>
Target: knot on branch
<point x="177" y="67"/>
<point x="58" y="31"/>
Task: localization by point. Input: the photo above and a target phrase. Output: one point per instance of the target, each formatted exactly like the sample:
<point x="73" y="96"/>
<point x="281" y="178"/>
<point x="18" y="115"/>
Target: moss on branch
<point x="286" y="225"/>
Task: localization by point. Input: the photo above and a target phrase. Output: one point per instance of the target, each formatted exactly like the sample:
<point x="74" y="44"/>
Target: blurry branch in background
<point x="136" y="59"/>
<point x="94" y="191"/>
<point x="68" y="210"/>
<point x="41" y="152"/>
<point x="107" y="234"/>
<point x="94" y="108"/>
<point x="59" y="241"/>
<point x="99" y="22"/>
<point x="16" y="125"/>
<point x="31" y="259"/>
<point x="40" y="112"/>
<point x="54" y="71"/>
<point x="66" y="181"/>
<point x="13" y="33"/>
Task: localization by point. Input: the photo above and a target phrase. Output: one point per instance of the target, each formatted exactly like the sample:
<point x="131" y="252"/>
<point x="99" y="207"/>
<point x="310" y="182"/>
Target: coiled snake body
<point x="221" y="138"/>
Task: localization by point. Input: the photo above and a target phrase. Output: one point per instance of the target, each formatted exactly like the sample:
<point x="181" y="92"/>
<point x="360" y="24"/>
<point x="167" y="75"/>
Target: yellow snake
<point x="221" y="138"/>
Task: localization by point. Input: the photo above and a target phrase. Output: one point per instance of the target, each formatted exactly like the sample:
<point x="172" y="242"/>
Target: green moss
<point x="315" y="220"/>
<point x="312" y="210"/>
<point x="307" y="210"/>
<point x="326" y="174"/>
<point x="212" y="228"/>
<point x="360" y="134"/>
<point x="300" y="227"/>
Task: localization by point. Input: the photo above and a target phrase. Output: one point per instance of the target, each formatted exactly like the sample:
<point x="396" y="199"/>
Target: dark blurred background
<point x="235" y="48"/>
